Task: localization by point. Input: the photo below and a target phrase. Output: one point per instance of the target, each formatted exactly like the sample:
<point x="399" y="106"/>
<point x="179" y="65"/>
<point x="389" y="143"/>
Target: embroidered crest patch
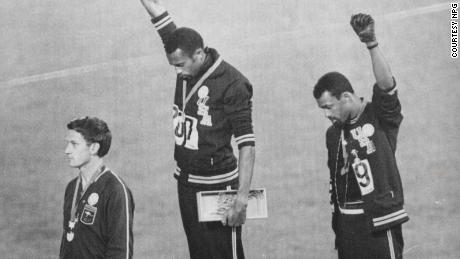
<point x="88" y="215"/>
<point x="362" y="134"/>
<point x="93" y="199"/>
<point x="203" y="109"/>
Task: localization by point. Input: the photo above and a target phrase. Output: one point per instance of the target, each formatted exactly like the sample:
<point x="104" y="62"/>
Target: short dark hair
<point x="334" y="82"/>
<point x="186" y="39"/>
<point x="93" y="130"/>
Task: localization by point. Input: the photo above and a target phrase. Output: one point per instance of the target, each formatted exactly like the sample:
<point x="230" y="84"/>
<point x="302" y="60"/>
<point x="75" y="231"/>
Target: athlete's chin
<point x="73" y="164"/>
<point x="337" y="123"/>
<point x="186" y="77"/>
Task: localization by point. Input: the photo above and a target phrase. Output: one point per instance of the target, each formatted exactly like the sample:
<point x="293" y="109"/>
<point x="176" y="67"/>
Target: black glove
<point x="363" y="25"/>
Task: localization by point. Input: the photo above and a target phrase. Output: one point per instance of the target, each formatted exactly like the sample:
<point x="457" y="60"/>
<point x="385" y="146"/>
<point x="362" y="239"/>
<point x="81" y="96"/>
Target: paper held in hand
<point x="213" y="204"/>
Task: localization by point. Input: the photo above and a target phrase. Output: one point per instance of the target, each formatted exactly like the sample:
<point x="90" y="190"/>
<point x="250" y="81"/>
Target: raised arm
<point x="153" y="7"/>
<point x="160" y="18"/>
<point x="364" y="26"/>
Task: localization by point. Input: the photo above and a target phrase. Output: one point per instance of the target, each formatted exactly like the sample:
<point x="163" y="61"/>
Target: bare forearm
<point x="246" y="168"/>
<point x="381" y="69"/>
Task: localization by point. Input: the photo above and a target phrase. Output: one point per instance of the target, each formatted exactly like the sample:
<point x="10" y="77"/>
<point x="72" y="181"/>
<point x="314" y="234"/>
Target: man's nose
<point x="178" y="70"/>
<point x="67" y="150"/>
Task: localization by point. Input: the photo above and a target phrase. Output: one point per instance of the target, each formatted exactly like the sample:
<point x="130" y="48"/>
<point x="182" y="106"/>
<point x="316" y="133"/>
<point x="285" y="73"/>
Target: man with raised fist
<point x="366" y="189"/>
<point x="212" y="103"/>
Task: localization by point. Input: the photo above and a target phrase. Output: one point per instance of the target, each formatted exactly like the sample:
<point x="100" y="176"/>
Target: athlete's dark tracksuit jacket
<point x="219" y="109"/>
<point x="372" y="183"/>
<point x="105" y="220"/>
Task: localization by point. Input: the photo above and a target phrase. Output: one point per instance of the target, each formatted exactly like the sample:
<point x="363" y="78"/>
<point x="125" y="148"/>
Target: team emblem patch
<point x="362" y="134"/>
<point x="203" y="109"/>
<point x="93" y="199"/>
<point x="88" y="215"/>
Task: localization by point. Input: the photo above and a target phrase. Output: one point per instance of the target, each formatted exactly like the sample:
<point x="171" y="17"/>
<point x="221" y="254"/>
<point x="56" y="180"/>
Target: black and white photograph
<point x="230" y="129"/>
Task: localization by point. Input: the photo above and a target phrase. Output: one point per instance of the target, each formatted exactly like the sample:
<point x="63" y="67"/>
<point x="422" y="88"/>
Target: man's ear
<point x="199" y="54"/>
<point x="346" y="97"/>
<point x="94" y="148"/>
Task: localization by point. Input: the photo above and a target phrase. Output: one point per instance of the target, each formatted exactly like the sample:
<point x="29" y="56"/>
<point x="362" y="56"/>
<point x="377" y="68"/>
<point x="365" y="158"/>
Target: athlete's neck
<point x="207" y="63"/>
<point x="87" y="171"/>
<point x="357" y="110"/>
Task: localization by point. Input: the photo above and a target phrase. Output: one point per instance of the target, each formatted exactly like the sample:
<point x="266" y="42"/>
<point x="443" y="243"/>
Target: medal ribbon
<point x="73" y="210"/>
<point x="74" y="200"/>
<point x="341" y="145"/>
<point x="186" y="98"/>
<point x="344" y="151"/>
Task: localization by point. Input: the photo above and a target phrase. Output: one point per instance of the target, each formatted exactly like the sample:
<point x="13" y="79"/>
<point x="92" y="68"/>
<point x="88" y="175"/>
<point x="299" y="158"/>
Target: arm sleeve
<point x="164" y="26"/>
<point x="388" y="111"/>
<point x="120" y="212"/>
<point x="238" y="106"/>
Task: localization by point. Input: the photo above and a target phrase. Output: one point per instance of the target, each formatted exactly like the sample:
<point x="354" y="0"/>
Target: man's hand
<point x="236" y="214"/>
<point x="153" y="7"/>
<point x="363" y="25"/>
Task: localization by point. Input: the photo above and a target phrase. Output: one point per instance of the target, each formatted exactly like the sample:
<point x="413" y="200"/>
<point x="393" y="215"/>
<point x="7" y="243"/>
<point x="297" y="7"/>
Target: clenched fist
<point x="363" y="25"/>
<point x="153" y="7"/>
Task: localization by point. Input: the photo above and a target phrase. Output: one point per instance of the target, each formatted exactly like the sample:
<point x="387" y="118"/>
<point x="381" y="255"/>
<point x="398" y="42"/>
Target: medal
<point x="343" y="171"/>
<point x="71" y="224"/>
<point x="73" y="215"/>
<point x="346" y="165"/>
<point x="93" y="199"/>
<point x="69" y="236"/>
